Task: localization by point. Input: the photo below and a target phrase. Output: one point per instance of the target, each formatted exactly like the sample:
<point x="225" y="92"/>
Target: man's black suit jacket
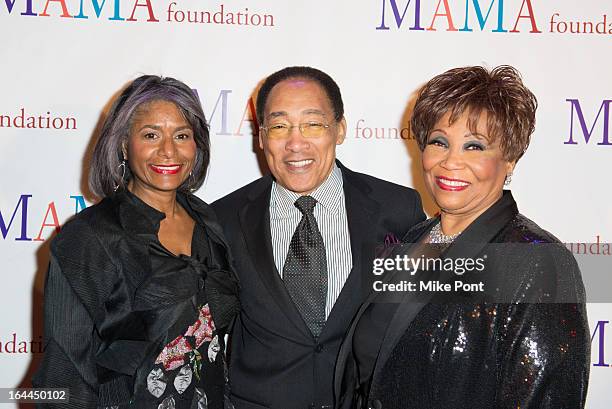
<point x="275" y="362"/>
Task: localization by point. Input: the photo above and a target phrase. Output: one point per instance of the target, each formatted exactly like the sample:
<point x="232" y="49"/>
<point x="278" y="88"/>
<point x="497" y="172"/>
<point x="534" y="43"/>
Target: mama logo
<point x="174" y="12"/>
<point x="59" y="7"/>
<point x="599" y="338"/>
<point x="448" y="14"/>
<point x="588" y="132"/>
<point x="221" y="120"/>
<point x="50" y="220"/>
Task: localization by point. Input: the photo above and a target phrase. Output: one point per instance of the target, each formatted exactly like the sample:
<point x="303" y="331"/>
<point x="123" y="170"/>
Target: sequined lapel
<point x="469" y="244"/>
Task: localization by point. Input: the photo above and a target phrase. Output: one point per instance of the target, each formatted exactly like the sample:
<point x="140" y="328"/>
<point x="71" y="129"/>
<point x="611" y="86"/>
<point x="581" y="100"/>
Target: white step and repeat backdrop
<point x="62" y="61"/>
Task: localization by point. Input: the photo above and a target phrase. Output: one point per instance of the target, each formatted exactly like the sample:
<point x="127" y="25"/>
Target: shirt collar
<point x="326" y="194"/>
<point x="139" y="217"/>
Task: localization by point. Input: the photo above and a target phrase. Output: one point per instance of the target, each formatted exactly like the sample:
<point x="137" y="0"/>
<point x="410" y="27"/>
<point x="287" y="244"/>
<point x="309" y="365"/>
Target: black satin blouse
<point x="116" y="300"/>
<point x="189" y="372"/>
<point x="530" y="352"/>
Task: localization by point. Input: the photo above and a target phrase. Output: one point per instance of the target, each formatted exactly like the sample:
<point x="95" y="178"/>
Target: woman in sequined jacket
<point x="514" y="332"/>
<point x="139" y="292"/>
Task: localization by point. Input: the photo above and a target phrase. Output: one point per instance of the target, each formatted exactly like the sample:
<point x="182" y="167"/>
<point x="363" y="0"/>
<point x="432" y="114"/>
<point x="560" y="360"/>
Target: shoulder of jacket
<point x="237" y="198"/>
<point x="92" y="223"/>
<point x="377" y="184"/>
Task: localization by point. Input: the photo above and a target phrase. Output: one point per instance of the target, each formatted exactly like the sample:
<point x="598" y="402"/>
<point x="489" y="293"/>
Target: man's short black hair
<point x="308" y="73"/>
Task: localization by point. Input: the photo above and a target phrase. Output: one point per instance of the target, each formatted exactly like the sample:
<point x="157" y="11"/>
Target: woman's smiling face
<point x="464" y="171"/>
<point x="161" y="149"/>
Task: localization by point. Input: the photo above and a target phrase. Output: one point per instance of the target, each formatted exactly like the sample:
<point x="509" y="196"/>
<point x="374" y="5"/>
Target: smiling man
<point x="302" y="243"/>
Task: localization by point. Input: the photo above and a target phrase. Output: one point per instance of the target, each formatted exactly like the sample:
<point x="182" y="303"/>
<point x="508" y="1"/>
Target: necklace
<point x="436" y="236"/>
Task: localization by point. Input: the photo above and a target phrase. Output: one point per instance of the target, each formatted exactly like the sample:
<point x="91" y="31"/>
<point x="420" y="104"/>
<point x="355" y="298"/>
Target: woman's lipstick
<point x="166" y="169"/>
<point x="451" y="185"/>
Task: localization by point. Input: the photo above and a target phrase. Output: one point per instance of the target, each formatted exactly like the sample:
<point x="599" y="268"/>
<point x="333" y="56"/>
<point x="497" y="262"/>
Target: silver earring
<point x="191" y="182"/>
<point x="121" y="165"/>
<point x="508" y="179"/>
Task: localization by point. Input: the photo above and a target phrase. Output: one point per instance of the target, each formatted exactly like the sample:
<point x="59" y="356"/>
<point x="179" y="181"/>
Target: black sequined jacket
<point x="531" y="351"/>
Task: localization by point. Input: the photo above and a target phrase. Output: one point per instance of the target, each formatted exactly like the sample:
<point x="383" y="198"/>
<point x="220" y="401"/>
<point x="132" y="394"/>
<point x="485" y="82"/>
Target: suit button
<point x="319" y="348"/>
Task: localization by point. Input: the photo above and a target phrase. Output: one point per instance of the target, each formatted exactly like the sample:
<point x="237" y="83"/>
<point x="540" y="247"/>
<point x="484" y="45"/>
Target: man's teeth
<point x="301" y="163"/>
<point x="453" y="182"/>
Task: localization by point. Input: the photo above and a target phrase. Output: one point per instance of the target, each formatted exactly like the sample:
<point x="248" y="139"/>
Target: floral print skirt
<point x="190" y="370"/>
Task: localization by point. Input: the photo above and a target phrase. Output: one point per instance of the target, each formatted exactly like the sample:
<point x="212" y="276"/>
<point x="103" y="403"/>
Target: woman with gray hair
<point x="139" y="291"/>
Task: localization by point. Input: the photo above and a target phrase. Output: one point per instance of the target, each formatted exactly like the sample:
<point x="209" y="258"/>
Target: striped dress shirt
<point x="330" y="213"/>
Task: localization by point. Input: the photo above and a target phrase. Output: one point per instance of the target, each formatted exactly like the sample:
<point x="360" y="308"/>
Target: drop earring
<point x="121" y="165"/>
<point x="508" y="179"/>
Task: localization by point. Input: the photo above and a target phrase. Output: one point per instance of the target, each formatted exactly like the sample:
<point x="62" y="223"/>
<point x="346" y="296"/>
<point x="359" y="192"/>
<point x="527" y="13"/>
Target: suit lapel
<point x="255" y="223"/>
<point x="389" y="339"/>
<point x="346" y="352"/>
<point x="362" y="214"/>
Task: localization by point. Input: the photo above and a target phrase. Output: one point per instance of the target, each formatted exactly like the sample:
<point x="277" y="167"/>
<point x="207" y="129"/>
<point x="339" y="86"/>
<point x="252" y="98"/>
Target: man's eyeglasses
<point x="308" y="130"/>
